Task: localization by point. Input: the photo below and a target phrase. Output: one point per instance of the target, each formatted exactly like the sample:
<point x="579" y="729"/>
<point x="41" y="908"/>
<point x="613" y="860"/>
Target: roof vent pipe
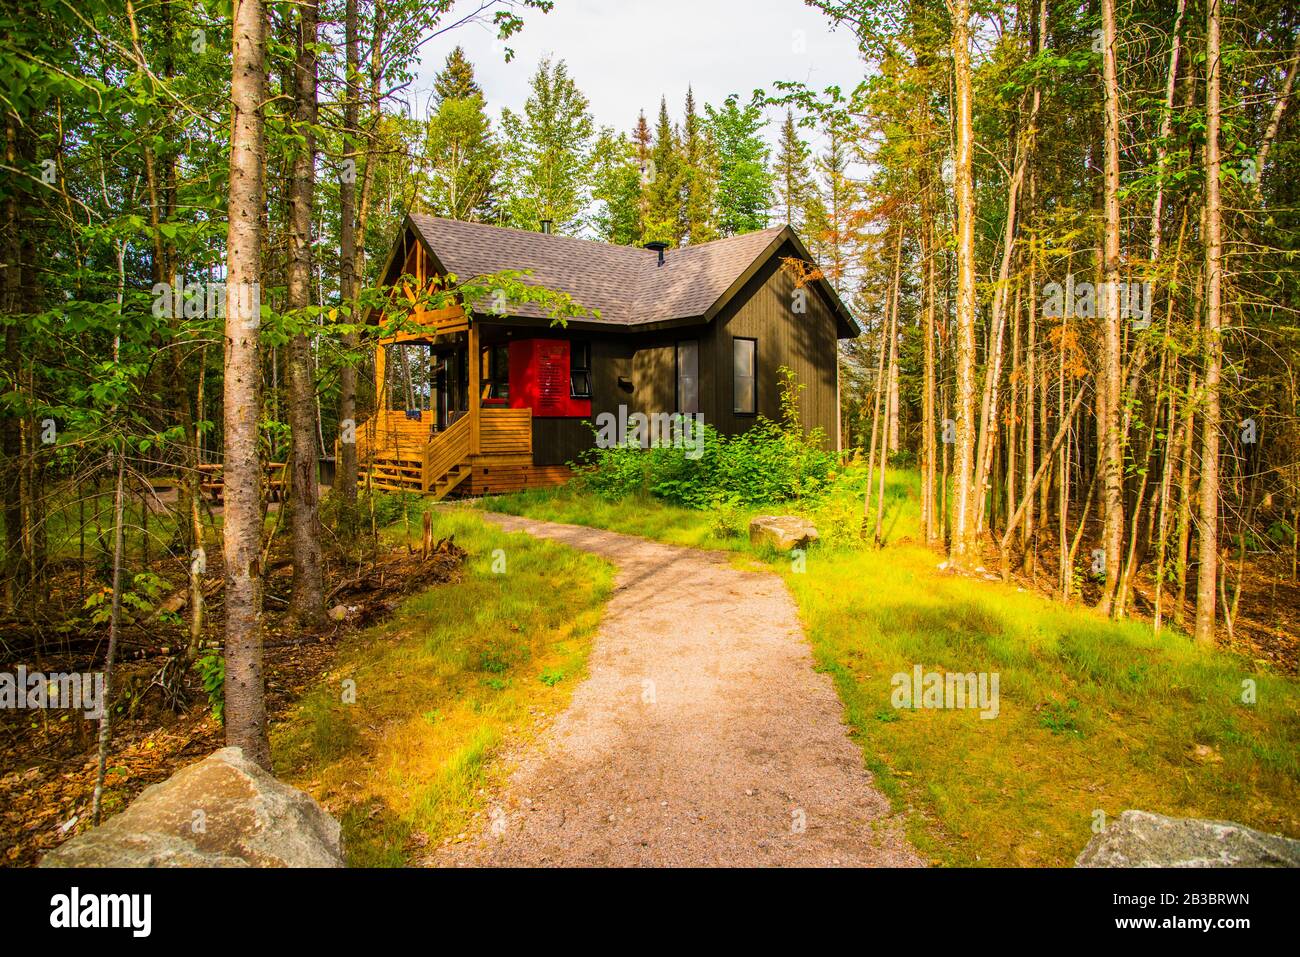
<point x="546" y="226"/>
<point x="659" y="248"/>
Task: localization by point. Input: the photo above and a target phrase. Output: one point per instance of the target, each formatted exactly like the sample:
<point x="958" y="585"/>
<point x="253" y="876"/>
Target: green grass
<point x="1094" y="715"/>
<point x="458" y="673"/>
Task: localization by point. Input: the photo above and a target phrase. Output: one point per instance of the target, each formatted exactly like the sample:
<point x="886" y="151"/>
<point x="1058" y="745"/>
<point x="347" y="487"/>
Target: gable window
<point x="744" y="364"/>
<point x="580" y="370"/>
<point x="496" y="372"/>
<point x="688" y="376"/>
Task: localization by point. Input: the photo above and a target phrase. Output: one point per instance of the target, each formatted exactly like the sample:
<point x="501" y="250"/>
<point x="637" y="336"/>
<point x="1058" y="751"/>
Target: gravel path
<point x="703" y="736"/>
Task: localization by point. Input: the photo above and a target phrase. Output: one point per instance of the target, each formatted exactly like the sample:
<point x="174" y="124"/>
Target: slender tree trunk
<point x="114" y="623"/>
<point x="1111" y="452"/>
<point x="345" y="478"/>
<point x="245" y="706"/>
<point x="1033" y="484"/>
<point x="893" y="380"/>
<point x="1275" y="120"/>
<point x="932" y="532"/>
<point x="307" y="604"/>
<point x="963" y="540"/>
<point x="1209" y="504"/>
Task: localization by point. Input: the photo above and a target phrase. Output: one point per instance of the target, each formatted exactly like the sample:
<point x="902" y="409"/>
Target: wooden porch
<point x="480" y="449"/>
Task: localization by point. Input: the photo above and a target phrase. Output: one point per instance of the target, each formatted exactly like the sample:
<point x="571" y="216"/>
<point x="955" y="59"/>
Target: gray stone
<point x="1142" y="839"/>
<point x="224" y="811"/>
<point x="782" y="532"/>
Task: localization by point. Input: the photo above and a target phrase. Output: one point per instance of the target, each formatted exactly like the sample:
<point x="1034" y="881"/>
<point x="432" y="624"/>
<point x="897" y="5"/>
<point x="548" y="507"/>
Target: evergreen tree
<point x="794" y="186"/>
<point x="548" y="153"/>
<point x="664" y="188"/>
<point x="460" y="155"/>
<point x="642" y="142"/>
<point x="700" y="176"/>
<point x="830" y="217"/>
<point x="456" y="79"/>
<point x="744" y="193"/>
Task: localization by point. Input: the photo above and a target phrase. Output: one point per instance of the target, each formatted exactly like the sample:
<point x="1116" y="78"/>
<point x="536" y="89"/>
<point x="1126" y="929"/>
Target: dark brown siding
<point x="763" y="310"/>
<point x="805" y="342"/>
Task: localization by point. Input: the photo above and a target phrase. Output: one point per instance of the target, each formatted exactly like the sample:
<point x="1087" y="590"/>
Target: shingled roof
<point x="625" y="284"/>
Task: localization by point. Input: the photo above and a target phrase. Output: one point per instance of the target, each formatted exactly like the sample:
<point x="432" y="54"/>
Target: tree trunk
<point x="345" y="475"/>
<point x="245" y="707"/>
<point x="1209" y="504"/>
<point x="1110" y="451"/>
<point x="307" y="603"/>
<point x="963" y="542"/>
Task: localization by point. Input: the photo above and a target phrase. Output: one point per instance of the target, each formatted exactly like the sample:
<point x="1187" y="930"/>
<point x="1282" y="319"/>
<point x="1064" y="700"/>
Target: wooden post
<point x="475" y="388"/>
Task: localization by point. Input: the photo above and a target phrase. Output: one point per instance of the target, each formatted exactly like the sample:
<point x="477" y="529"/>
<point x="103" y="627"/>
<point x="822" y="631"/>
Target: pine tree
<point x="794" y="188"/>
<point x="456" y="79"/>
<point x="665" y="185"/>
<point x="548" y="153"/>
<point x="830" y="214"/>
<point x="744" y="194"/>
<point x="461" y="156"/>
<point x="699" y="161"/>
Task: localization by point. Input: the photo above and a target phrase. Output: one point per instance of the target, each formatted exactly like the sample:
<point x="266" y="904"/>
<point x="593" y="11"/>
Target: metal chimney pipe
<point x="659" y="248"/>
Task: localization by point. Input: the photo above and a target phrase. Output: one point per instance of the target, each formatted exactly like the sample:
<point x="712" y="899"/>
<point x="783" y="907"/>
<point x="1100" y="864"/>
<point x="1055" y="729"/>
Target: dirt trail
<point x="703" y="736"/>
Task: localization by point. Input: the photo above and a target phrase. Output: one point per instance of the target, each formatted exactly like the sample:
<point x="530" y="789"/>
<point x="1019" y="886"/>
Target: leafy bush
<point x="764" y="466"/>
<point x="212" y="674"/>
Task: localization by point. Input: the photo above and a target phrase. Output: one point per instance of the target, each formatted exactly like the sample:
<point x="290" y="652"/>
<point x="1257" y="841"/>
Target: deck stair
<point x="397" y="454"/>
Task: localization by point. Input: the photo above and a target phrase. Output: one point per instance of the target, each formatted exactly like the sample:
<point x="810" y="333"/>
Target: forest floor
<point x="48" y="758"/>
<point x="702" y="736"/>
<point x="1096" y="716"/>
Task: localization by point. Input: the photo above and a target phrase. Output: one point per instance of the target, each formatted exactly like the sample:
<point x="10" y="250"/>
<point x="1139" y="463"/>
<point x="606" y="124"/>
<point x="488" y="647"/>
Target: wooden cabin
<point x="702" y="329"/>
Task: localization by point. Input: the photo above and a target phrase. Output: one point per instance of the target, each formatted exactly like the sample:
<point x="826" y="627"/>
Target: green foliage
<point x="548" y="153"/>
<point x="211" y="668"/>
<point x="138" y="602"/>
<point x="766" y="465"/>
<point x="744" y="192"/>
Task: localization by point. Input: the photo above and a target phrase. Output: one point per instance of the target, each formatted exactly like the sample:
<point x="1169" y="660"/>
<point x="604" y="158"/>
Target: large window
<point x="580" y="370"/>
<point x="688" y="376"/>
<point x="744" y="366"/>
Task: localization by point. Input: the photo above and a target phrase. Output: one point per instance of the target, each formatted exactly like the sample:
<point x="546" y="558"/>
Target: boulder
<point x="1141" y="839"/>
<point x="782" y="532"/>
<point x="224" y="811"/>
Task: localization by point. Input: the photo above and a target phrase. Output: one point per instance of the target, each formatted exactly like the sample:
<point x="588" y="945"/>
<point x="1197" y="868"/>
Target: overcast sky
<point x="625" y="54"/>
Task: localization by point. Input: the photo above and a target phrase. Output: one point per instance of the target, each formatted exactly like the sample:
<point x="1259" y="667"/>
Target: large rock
<point x="782" y="532"/>
<point x="1141" y="839"/>
<point x="224" y="811"/>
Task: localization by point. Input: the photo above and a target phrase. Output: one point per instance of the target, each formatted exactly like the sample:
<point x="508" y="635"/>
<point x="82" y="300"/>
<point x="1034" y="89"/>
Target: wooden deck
<point x="397" y="454"/>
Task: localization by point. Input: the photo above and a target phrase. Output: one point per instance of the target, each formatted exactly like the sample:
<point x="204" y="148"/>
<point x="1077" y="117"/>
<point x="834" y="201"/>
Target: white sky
<point x="625" y="54"/>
